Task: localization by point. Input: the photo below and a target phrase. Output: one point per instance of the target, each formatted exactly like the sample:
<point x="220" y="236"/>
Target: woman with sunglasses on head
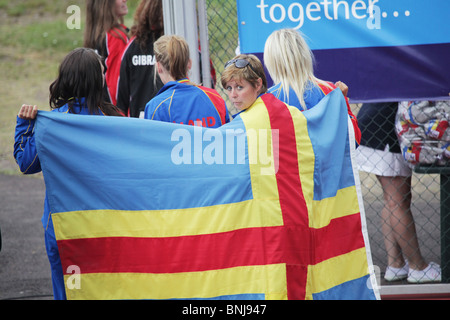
<point x="180" y="100"/>
<point x="77" y="90"/>
<point x="244" y="81"/>
<point x="289" y="61"/>
<point x="105" y="32"/>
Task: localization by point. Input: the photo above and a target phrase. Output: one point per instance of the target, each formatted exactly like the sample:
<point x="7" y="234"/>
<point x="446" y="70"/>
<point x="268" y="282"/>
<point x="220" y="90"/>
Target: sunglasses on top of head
<point x="240" y="64"/>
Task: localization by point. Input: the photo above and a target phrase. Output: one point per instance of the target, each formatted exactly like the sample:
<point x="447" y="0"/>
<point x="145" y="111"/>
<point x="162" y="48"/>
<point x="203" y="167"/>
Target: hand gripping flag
<point x="265" y="207"/>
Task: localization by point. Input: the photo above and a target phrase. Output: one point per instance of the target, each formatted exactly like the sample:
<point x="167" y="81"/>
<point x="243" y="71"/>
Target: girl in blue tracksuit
<point x="181" y="101"/>
<point x="77" y="90"/>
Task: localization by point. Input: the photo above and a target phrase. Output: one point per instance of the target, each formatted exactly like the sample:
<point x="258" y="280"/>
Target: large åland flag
<point x="265" y="207"/>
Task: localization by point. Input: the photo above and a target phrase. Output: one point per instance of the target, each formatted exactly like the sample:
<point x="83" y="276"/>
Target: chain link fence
<point x="425" y="208"/>
<point x="223" y="36"/>
<point x="425" y="203"/>
<point x="420" y="238"/>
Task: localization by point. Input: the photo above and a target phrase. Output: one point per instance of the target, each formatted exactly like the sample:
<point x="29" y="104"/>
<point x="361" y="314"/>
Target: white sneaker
<point x="396" y="274"/>
<point x="432" y="273"/>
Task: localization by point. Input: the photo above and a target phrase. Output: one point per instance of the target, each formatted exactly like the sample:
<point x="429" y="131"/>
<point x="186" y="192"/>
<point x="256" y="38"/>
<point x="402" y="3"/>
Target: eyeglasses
<point x="240" y="64"/>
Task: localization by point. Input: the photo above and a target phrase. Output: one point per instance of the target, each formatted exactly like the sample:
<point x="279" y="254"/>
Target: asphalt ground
<point x="24" y="268"/>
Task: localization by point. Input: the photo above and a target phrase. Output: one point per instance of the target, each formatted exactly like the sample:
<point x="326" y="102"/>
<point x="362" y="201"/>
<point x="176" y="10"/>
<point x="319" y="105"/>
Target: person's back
<point x="289" y="61"/>
<point x="184" y="103"/>
<point x="181" y="101"/>
<point x="311" y="97"/>
<point x="77" y="90"/>
<point x="138" y="82"/>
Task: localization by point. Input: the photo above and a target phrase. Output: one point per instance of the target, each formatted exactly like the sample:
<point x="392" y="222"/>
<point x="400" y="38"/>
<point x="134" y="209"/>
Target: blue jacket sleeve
<point x="156" y="110"/>
<point x="227" y="115"/>
<point x="25" y="151"/>
<point x="148" y="111"/>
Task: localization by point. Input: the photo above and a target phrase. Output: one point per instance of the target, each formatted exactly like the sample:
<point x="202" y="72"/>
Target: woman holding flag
<point x="289" y="61"/>
<point x="304" y="174"/>
<point x="244" y="80"/>
<point x="77" y="90"/>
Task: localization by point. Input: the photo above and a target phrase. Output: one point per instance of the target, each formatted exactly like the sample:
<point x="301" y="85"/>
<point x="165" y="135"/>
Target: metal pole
<point x="191" y="36"/>
<point x="444" y="173"/>
<point x="180" y="18"/>
<point x="169" y="27"/>
<point x="204" y="43"/>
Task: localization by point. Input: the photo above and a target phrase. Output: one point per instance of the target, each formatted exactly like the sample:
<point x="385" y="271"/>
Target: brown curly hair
<point x="148" y="22"/>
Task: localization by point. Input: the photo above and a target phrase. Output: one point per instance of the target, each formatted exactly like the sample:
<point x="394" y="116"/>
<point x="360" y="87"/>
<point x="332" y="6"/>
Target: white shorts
<point x="382" y="163"/>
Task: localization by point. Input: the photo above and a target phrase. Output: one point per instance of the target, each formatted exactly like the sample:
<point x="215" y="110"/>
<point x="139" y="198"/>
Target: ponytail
<point x="172" y="52"/>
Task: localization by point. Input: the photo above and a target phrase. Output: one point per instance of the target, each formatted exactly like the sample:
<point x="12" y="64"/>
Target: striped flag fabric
<point x="265" y="207"/>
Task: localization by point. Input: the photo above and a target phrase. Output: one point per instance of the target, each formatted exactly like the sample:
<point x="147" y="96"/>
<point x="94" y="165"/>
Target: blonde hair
<point x="172" y="52"/>
<point x="289" y="61"/>
<point x="251" y="73"/>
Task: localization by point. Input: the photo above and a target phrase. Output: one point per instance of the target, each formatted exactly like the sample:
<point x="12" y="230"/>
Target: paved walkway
<point x="24" y="268"/>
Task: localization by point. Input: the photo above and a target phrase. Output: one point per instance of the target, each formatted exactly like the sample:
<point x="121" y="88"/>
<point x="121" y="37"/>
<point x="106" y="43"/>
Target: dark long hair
<point x="80" y="76"/>
<point x="148" y="22"/>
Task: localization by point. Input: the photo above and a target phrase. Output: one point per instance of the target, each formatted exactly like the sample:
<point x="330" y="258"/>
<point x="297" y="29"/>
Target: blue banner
<point x="406" y="42"/>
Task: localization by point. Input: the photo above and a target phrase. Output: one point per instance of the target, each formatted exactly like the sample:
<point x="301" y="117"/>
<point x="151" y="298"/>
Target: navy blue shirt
<point x="377" y="124"/>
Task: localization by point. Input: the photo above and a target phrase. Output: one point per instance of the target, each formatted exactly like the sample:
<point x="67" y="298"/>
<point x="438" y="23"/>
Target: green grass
<point x="34" y="39"/>
<point x="19" y="8"/>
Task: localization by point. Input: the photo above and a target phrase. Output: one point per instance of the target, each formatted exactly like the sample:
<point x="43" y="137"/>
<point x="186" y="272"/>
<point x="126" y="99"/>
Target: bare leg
<point x="398" y="223"/>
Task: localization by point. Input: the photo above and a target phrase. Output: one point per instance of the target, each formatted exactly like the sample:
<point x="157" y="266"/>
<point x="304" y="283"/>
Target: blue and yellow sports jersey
<point x="183" y="103"/>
